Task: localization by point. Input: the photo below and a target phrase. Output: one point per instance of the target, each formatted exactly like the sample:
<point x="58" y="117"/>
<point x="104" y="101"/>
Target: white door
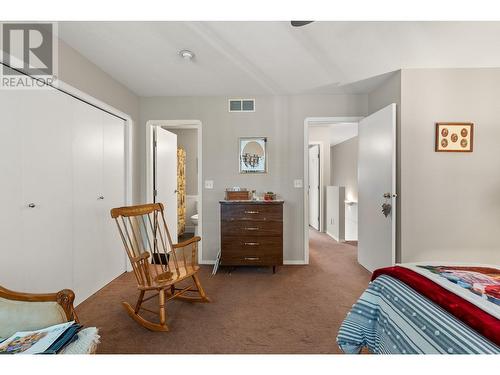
<point x="35" y="194"/>
<point x="165" y="176"/>
<point x="113" y="255"/>
<point x="376" y="187"/>
<point x="87" y="193"/>
<point x="314" y="187"/>
<point x="47" y="191"/>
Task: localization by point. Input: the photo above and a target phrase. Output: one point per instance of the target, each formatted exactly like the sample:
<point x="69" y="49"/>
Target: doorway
<point x="174" y="175"/>
<point x="369" y="170"/>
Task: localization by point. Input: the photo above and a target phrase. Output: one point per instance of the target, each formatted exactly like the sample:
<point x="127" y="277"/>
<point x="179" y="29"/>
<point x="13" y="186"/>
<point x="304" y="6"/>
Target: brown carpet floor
<point x="297" y="310"/>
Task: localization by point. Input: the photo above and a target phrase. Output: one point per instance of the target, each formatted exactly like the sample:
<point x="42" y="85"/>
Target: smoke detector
<point x="186" y="54"/>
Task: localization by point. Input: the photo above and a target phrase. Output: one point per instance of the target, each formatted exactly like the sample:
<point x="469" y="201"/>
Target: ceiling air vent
<point x="241" y="105"/>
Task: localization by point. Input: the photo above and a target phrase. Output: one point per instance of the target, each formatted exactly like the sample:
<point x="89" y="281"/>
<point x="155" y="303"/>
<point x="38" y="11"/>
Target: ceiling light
<point x="186" y="54"/>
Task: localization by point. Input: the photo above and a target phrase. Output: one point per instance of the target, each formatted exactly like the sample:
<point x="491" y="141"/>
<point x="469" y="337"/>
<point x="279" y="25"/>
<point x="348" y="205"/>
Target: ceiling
<point x="273" y="58"/>
<point x="340" y="131"/>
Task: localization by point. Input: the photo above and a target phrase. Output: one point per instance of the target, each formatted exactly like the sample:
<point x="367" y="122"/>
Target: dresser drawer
<point x="251" y="212"/>
<point x="251" y="246"/>
<point x="251" y="260"/>
<point x="252" y="228"/>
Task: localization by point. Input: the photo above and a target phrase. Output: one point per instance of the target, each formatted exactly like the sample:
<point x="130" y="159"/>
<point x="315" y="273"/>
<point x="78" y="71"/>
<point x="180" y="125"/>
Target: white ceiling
<point x="339" y="132"/>
<point x="273" y="58"/>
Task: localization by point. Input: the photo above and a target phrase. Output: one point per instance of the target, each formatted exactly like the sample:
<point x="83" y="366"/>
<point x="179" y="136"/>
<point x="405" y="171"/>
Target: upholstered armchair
<point x="28" y="312"/>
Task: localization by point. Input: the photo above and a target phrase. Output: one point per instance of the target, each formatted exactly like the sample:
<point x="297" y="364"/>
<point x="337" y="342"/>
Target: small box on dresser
<point x="251" y="233"/>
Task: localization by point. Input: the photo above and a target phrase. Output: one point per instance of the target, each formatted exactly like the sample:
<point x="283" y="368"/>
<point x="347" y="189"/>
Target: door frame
<point x="309" y="122"/>
<point x="177" y="124"/>
<point x="320" y="183"/>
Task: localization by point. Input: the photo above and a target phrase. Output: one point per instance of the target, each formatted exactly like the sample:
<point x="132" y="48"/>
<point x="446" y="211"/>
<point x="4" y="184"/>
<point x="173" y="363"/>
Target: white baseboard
<point x="331" y="235"/>
<point x="294" y="262"/>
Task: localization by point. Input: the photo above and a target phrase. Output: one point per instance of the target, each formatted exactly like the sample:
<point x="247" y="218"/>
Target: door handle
<point x="251" y="228"/>
<point x="100" y="198"/>
<point x="251" y="212"/>
<point x="389" y="195"/>
<point x="176" y="191"/>
<point x="31" y="205"/>
<point x="251" y="243"/>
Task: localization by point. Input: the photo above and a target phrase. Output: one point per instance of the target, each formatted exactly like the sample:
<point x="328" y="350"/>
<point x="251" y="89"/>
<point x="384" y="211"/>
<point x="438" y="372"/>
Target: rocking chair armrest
<point x="187" y="242"/>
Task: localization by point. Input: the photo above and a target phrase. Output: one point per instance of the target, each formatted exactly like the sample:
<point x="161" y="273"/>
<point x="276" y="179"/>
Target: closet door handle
<point x="251" y="243"/>
<point x="31" y="205"/>
<point x="100" y="198"/>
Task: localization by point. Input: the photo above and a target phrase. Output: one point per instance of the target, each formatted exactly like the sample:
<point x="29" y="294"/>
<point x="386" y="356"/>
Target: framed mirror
<point x="253" y="155"/>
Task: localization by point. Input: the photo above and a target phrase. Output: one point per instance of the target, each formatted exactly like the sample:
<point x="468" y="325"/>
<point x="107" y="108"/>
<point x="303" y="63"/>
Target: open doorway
<point x="358" y="192"/>
<point x="174" y="175"/>
<point x="331" y="173"/>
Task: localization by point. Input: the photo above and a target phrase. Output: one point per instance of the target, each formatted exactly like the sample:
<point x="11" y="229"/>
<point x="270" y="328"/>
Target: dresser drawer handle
<point x="251" y="212"/>
<point x="252" y="258"/>
<point x="251" y="228"/>
<point x="251" y="243"/>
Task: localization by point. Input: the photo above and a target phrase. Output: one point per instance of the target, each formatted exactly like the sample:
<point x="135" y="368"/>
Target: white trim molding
<point x="309" y="122"/>
<point x="177" y="124"/>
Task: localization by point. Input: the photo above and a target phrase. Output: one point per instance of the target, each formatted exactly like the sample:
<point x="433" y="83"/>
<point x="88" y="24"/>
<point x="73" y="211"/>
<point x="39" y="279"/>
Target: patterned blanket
<point x="392" y="318"/>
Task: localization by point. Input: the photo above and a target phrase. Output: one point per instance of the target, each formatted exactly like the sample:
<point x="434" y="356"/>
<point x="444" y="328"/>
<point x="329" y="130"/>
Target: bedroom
<point x="85" y="142"/>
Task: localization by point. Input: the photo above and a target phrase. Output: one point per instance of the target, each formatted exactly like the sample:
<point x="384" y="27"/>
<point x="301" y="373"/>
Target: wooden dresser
<point x="251" y="233"/>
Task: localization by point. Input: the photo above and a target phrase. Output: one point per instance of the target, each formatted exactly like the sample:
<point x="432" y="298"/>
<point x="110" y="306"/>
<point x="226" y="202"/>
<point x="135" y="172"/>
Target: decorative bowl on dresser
<point x="251" y="233"/>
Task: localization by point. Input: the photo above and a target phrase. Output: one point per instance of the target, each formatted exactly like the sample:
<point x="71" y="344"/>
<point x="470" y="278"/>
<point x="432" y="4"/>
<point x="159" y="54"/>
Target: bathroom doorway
<point x="183" y="140"/>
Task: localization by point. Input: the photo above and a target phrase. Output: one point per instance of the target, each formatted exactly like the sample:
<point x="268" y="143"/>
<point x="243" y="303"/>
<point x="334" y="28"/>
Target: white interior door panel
<point x="377" y="186"/>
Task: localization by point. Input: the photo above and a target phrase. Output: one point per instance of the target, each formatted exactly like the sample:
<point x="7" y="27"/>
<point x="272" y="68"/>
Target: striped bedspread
<point x="391" y="318"/>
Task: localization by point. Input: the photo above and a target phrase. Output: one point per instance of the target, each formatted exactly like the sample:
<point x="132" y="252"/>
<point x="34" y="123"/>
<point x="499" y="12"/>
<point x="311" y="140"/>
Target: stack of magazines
<point x="50" y="340"/>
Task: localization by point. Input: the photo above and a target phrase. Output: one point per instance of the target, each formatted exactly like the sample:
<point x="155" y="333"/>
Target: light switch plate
<point x="209" y="184"/>
<point x="297" y="184"/>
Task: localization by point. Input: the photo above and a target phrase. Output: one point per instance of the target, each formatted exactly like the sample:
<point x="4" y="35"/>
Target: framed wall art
<point x="454" y="137"/>
<point x="253" y="155"/>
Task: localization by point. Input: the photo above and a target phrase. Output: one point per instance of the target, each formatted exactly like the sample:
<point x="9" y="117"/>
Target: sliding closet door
<point x="88" y="199"/>
<point x="113" y="255"/>
<point x="10" y="190"/>
<point x="47" y="192"/>
<point x="99" y="185"/>
<point x="35" y="193"/>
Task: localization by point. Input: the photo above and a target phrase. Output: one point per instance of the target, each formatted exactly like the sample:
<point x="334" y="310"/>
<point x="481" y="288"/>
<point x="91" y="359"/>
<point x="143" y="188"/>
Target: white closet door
<point x="35" y="160"/>
<point x="87" y="191"/>
<point x="11" y="190"/>
<point x="113" y="254"/>
<point x="46" y="157"/>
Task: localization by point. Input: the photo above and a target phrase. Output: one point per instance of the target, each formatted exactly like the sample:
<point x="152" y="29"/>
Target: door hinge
<point x="155" y="144"/>
<point x="155" y="193"/>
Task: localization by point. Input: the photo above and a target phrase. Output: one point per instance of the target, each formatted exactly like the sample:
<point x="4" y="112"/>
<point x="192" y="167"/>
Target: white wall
<point x="344" y="167"/>
<point x="281" y="119"/>
<point x="451" y="201"/>
<point x="344" y="172"/>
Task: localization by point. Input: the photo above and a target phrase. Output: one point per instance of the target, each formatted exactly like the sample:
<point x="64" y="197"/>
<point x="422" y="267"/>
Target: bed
<point x="426" y="309"/>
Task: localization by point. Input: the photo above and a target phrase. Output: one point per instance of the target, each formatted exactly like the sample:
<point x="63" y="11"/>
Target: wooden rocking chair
<point x="158" y="264"/>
